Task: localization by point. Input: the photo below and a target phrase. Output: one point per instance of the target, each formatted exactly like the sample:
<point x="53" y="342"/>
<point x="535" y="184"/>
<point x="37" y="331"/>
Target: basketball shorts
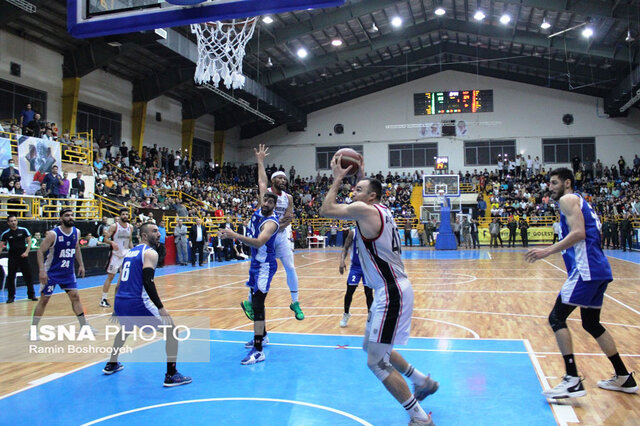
<point x="136" y="312"/>
<point x="354" y="277"/>
<point x="389" y="319"/>
<point x="66" y="284"/>
<point x="586" y="294"/>
<point x="260" y="276"/>
<point x="115" y="262"/>
<point x="283" y="245"/>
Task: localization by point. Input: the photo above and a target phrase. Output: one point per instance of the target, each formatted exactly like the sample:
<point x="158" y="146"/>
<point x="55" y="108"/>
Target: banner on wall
<point x="536" y="235"/>
<point x="430" y="130"/>
<point x="35" y="159"/>
<point x="5" y="152"/>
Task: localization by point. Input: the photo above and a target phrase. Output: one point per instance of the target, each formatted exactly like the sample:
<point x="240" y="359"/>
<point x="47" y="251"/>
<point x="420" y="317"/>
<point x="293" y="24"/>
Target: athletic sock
<point x="105" y="295"/>
<point x="414" y="409"/>
<point x="35" y="320"/>
<point x="618" y="365"/>
<point x="82" y="320"/>
<point x="257" y="342"/>
<point x="171" y="368"/>
<point x="416" y="377"/>
<point x="294" y="296"/>
<point x="570" y="365"/>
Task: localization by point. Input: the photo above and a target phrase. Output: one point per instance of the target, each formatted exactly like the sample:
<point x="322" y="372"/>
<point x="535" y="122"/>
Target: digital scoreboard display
<point x="442" y="163"/>
<point x="453" y="102"/>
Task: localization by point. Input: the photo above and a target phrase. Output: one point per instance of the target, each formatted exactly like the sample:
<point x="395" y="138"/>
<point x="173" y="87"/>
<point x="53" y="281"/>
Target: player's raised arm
<point x="263" y="180"/>
<point x="331" y="208"/>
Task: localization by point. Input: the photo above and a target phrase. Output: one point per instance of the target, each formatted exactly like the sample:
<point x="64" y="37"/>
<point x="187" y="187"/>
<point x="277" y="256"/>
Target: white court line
<point x="606" y="295"/>
<point x="564" y="413"/>
<point x="193" y="401"/>
<point x="46" y="379"/>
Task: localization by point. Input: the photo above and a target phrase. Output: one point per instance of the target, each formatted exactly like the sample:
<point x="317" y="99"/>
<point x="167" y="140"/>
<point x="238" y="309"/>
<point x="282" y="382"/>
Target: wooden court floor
<point x="497" y="297"/>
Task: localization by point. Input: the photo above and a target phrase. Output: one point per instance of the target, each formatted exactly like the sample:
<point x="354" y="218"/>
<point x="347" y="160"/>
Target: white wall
<point x="42" y="70"/>
<point x="524" y="112"/>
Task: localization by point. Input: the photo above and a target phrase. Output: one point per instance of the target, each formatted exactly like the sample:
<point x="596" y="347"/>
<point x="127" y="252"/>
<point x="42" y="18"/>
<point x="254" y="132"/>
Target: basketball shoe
<point x="430" y="387"/>
<point x="626" y="384"/>
<point x="112" y="367"/>
<point x="344" y="320"/>
<point x="295" y="307"/>
<point x="247" y="308"/>
<point x="570" y="387"/>
<point x="254" y="356"/>
<point x="176" y="380"/>
<point x="422" y="422"/>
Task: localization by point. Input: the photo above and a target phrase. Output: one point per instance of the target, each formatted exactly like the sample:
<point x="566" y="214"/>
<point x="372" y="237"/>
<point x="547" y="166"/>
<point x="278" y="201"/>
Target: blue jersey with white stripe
<point x="586" y="257"/>
<point x="355" y="258"/>
<point x="266" y="253"/>
<point x="131" y="284"/>
<point x="59" y="261"/>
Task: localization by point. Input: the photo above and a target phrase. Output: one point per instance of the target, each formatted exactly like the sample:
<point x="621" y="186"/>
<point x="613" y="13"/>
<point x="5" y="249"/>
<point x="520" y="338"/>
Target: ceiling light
<point x="629" y="38"/>
<point x="396" y="21"/>
<point x="545" y="24"/>
<point x="606" y="65"/>
<point x="587" y="32"/>
<point x="440" y="11"/>
<point x="302" y="52"/>
<point x="374" y="29"/>
<point x="267" y="19"/>
<point x="505" y="19"/>
<point x="479" y="15"/>
<point x="336" y="42"/>
<point x="269" y="63"/>
<point x="293" y="82"/>
<point x="570" y="60"/>
<point x="323" y="73"/>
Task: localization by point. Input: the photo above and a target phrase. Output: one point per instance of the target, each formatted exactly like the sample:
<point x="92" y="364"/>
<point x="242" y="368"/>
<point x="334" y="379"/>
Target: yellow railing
<point x="211" y="224"/>
<point x="32" y="207"/>
<point x="532" y="220"/>
<point x="109" y="207"/>
<point x="467" y="188"/>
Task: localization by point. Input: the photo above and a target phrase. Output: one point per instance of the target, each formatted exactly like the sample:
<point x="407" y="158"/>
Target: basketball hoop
<point x="441" y="198"/>
<point x="221" y="47"/>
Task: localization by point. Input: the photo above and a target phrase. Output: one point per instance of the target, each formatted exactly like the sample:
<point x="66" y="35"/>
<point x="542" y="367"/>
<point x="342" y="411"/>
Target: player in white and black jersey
<point x="284" y="211"/>
<point x="119" y="236"/>
<point x="389" y="321"/>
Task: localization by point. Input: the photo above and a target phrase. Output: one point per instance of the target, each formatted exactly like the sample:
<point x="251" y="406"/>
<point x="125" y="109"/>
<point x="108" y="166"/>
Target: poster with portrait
<point x="35" y="159"/>
<point x="461" y="128"/>
<point x="5" y="152"/>
<point x="430" y="130"/>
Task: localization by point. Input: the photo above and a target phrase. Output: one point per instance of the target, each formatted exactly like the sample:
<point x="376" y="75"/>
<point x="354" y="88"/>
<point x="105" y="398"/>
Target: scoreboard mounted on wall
<point x="442" y="163"/>
<point x="453" y="102"/>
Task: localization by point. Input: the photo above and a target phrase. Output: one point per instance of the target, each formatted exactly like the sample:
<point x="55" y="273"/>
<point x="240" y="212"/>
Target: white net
<point x="221" y="51"/>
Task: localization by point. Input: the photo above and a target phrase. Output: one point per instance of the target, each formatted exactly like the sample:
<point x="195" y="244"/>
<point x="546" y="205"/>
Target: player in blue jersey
<point x="57" y="255"/>
<point x="354" y="276"/>
<point x="137" y="303"/>
<point x="589" y="274"/>
<point x="263" y="231"/>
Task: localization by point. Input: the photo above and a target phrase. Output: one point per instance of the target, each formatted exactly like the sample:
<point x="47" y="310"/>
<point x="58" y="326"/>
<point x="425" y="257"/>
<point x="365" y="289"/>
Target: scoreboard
<point x="453" y="102"/>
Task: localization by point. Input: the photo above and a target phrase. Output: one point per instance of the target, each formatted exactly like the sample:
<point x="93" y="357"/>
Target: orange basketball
<point x="350" y="158"/>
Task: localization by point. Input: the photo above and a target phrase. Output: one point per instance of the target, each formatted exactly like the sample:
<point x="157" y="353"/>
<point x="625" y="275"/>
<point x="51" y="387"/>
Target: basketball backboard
<point x="432" y="184"/>
<point x="93" y="18"/>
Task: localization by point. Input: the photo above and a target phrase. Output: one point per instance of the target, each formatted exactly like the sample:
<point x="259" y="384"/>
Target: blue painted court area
<point x="98" y="280"/>
<point x="629" y="256"/>
<point x="305" y="380"/>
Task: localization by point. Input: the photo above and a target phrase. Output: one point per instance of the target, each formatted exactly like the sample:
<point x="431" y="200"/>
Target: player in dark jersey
<point x="354" y="277"/>
<point x="137" y="304"/>
<point x="57" y="255"/>
<point x="589" y="274"/>
<point x="263" y="231"/>
<point x="389" y="320"/>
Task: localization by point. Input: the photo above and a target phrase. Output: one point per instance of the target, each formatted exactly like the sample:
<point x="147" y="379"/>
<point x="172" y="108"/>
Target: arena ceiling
<point x="373" y="54"/>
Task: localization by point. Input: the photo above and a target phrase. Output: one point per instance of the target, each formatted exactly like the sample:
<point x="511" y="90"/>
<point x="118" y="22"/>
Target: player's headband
<point x="278" y="173"/>
<point x="63" y="211"/>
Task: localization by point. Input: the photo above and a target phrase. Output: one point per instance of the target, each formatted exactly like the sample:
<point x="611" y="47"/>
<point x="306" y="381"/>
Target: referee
<point x="18" y="242"/>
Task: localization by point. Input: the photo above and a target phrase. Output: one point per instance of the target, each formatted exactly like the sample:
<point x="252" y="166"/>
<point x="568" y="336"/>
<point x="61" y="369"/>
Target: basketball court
<point x="479" y="328"/>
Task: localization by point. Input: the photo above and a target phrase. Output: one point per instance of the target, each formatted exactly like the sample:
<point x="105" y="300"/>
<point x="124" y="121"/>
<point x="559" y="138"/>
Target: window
<point x="324" y="154"/>
<point x="485" y="153"/>
<point x="14" y="97"/>
<point x="562" y="150"/>
<point x="201" y="150"/>
<point x="101" y="121"/>
<point x="413" y="155"/>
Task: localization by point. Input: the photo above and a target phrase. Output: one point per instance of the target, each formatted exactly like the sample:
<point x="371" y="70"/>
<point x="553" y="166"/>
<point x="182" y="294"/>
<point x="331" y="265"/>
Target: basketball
<point x="350" y="158"/>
